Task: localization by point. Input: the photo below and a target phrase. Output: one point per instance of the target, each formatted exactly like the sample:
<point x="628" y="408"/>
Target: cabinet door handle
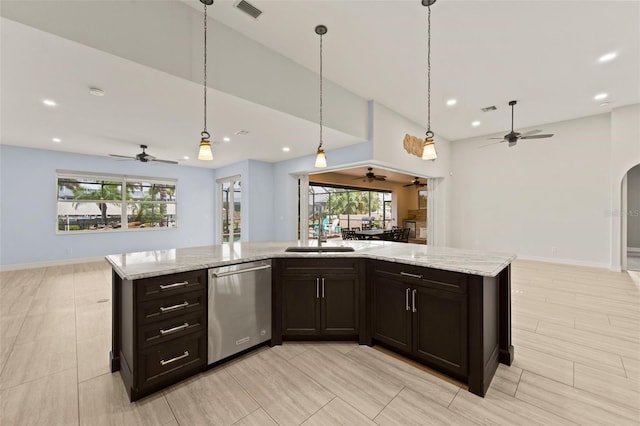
<point x="175" y="285"/>
<point x="323" y="288"/>
<point x="174" y="329"/>
<point x="406" y="274"/>
<point x="178" y="358"/>
<point x="174" y="307"/>
<point x="413" y="300"/>
<point x="406" y="298"/>
<point x="317" y="288"/>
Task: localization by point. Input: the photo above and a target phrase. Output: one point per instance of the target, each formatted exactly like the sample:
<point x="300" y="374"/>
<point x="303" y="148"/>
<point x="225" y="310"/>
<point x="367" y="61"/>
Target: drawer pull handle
<point x="174" y="329"/>
<point x="178" y="358"/>
<point x="174" y="307"/>
<point x="170" y="286"/>
<point x="406" y="274"/>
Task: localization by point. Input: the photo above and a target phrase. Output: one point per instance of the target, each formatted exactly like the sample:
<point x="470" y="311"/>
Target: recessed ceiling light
<point x="56" y="140"/>
<point x="600" y="96"/>
<point x="226" y="139"/>
<point x="186" y="157"/>
<point x="49" y="102"/>
<point x="96" y="91"/>
<point x="475" y="123"/>
<point x="451" y="102"/>
<point x="607" y="57"/>
<point x="286" y="149"/>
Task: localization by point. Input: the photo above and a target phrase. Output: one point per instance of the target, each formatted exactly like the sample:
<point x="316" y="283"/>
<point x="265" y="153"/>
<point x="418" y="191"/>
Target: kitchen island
<point x="447" y="308"/>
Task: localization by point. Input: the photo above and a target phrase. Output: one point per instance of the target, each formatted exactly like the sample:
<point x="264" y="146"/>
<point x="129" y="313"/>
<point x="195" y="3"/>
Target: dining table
<point x="369" y="234"/>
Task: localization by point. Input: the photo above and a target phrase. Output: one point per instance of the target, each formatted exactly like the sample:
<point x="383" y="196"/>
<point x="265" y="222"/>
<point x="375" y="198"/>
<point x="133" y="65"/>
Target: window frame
<point x="123" y="181"/>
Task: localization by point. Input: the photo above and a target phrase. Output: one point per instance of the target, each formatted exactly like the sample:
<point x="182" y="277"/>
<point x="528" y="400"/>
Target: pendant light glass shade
<point x="205" y="153"/>
<point x="429" y="150"/>
<point x="321" y="159"/>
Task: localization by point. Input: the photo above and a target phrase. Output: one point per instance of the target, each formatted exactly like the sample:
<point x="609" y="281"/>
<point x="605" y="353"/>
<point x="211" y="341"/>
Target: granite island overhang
<point x="476" y="284"/>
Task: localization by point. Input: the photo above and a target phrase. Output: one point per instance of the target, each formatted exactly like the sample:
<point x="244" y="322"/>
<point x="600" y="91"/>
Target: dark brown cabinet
<point x="319" y="297"/>
<point x="421" y="313"/>
<point x="161" y="337"/>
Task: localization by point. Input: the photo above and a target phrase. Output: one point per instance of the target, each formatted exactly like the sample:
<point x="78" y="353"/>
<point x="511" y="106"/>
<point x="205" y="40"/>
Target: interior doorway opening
<point x="632" y="215"/>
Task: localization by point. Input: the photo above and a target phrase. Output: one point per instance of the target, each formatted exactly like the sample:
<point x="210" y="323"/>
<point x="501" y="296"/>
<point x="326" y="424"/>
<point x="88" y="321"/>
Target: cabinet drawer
<point x="315" y="266"/>
<point x="430" y="278"/>
<point x="171" y="307"/>
<point x="170" y="329"/>
<point x="167" y="285"/>
<point x="161" y="363"/>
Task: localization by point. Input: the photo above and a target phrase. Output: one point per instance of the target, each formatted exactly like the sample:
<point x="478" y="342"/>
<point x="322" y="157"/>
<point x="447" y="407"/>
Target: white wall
<point x="387" y="133"/>
<point x="633" y="208"/>
<point x="28" y="208"/>
<point x="625" y="143"/>
<point x="543" y="199"/>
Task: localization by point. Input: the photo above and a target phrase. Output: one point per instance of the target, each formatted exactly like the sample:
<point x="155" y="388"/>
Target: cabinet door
<point x="339" y="304"/>
<point x="391" y="311"/>
<point x="301" y="307"/>
<point x="440" y="328"/>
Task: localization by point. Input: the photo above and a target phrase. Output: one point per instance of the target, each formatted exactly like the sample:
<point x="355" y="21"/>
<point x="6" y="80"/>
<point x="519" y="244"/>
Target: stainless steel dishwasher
<point x="239" y="314"/>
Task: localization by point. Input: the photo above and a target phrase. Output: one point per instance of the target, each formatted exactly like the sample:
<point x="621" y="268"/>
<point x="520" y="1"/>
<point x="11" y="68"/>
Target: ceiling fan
<point x="513" y="137"/>
<point x="416" y="182"/>
<point x="370" y="176"/>
<point x="144" y="157"/>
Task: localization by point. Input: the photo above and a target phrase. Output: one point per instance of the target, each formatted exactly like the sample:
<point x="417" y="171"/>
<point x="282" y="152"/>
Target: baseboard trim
<point x="572" y="262"/>
<point x="49" y="263"/>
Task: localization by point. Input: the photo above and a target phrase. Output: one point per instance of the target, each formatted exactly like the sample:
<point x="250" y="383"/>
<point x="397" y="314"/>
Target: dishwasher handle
<point x="239" y="271"/>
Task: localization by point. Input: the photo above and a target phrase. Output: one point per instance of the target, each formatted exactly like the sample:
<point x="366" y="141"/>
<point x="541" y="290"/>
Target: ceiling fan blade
<point x="537" y="136"/>
<point x="529" y="133"/>
<point x="492" y="143"/>
<point x="496" y="138"/>
<point x="163" y="161"/>
<point x="122" y="156"/>
<point x="409" y="184"/>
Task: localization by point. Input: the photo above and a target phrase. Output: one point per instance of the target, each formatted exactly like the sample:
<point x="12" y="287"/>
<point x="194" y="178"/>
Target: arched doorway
<point x="631" y="219"/>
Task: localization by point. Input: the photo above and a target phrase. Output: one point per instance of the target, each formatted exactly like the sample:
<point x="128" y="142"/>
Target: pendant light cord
<point x="320" y="91"/>
<point x="429" y="71"/>
<point x="205" y="69"/>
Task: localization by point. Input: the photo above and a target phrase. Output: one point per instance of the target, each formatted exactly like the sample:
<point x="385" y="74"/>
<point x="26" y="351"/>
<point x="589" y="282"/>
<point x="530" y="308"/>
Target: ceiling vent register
<point x="249" y="9"/>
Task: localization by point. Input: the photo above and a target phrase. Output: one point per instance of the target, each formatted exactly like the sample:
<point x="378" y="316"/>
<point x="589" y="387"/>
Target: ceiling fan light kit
<point x="321" y="158"/>
<point x="204" y="150"/>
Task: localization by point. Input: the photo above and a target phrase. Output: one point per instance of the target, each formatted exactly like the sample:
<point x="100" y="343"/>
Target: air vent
<point x="248" y="8"/>
<point x="241" y="132"/>
<point x="489" y="108"/>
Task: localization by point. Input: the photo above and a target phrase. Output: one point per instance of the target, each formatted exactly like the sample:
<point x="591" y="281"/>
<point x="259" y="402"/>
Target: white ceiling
<point x="542" y="53"/>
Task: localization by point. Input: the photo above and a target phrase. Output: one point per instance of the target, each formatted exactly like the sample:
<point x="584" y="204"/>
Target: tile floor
<point x="576" y="333"/>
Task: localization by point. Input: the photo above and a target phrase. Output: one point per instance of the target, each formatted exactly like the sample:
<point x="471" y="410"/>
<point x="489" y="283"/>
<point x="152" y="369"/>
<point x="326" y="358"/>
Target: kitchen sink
<point x="328" y="249"/>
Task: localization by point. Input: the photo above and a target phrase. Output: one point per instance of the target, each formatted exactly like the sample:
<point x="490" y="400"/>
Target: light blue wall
<point x="28" y="200"/>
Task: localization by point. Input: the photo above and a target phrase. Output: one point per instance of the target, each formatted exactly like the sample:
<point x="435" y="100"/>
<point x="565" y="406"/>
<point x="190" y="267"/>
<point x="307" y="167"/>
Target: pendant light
<point x="204" y="153"/>
<point x="429" y="149"/>
<point x="321" y="159"/>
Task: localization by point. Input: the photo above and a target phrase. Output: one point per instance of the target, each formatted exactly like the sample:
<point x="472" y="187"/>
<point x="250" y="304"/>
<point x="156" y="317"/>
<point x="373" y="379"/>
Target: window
<point x="87" y="202"/>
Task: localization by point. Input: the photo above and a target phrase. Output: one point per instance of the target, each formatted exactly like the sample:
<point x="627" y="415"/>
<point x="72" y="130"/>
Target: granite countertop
<point x="132" y="266"/>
